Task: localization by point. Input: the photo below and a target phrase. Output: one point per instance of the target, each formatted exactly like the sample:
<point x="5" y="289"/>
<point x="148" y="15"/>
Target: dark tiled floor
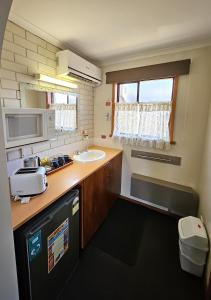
<point x="134" y="255"/>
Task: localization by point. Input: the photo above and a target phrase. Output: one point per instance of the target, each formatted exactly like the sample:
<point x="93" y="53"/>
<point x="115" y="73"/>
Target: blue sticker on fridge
<point x="34" y="245"/>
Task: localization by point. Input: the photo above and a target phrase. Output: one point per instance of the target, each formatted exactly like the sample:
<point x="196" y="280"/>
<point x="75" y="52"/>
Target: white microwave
<point x="24" y="126"/>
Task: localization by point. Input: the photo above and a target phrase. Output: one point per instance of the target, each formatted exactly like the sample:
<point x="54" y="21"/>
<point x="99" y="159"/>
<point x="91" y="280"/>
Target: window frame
<point x="115" y="99"/>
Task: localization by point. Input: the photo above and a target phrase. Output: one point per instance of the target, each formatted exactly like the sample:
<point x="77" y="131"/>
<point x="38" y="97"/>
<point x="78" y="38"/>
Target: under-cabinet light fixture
<point x="56" y="81"/>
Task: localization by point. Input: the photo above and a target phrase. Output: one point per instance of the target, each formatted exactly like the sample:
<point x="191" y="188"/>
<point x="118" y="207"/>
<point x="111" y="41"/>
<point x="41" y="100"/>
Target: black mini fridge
<point x="47" y="249"/>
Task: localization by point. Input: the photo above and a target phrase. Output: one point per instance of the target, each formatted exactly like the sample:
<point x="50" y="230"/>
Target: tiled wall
<point x="24" y="55"/>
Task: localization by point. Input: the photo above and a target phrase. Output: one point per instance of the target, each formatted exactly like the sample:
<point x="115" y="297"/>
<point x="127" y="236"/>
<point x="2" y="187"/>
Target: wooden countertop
<point x="58" y="184"/>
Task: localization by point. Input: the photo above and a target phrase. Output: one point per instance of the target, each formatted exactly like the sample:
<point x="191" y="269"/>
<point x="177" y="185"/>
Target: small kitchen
<point x="70" y="197"/>
<point x="106" y="165"/>
<point x="53" y="184"/>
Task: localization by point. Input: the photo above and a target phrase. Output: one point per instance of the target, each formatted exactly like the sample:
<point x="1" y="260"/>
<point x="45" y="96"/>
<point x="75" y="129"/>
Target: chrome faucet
<point x="85" y="137"/>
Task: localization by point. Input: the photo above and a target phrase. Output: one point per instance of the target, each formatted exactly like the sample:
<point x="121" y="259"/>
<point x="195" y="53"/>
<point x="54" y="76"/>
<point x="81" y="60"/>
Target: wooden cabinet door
<point x="114" y="179"/>
<point x="94" y="200"/>
<point x="88" y="209"/>
<point x="101" y="197"/>
<point x="99" y="193"/>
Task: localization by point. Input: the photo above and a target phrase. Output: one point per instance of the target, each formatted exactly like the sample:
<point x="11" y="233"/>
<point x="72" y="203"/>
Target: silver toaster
<point x="28" y="181"/>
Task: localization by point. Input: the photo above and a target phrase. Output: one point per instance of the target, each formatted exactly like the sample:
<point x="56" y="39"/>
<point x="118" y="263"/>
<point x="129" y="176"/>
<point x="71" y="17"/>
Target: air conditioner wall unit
<point x="71" y="64"/>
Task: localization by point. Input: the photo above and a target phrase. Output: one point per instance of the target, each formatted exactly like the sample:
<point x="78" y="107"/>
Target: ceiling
<point x="113" y="29"/>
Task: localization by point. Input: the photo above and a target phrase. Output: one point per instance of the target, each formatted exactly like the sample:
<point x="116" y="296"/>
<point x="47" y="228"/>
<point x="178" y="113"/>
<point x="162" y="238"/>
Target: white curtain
<point x="144" y="124"/>
<point x="65" y="115"/>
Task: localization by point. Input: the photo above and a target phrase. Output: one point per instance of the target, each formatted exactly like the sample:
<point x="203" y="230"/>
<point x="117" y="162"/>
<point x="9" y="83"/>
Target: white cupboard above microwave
<point x="24" y="126"/>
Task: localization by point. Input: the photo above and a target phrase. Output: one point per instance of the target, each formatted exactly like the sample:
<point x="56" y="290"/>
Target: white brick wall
<point x="25" y="54"/>
<point x="9" y="84"/>
<point x="35" y="39"/>
<point x="7" y="55"/>
<point x="7" y="74"/>
<point x="15" y="29"/>
<point x="24" y="43"/>
<point x="7" y="65"/>
<point x="13" y="48"/>
<point x="8" y="36"/>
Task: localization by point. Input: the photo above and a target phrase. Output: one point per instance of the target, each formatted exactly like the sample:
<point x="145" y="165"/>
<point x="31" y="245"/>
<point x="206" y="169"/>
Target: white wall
<point x="8" y="277"/>
<point x="190" y="124"/>
<point x="205" y="184"/>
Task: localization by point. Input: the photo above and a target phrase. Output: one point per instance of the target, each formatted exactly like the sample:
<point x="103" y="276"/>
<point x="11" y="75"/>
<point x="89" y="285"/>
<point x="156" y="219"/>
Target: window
<point x="144" y="112"/>
<point x="128" y="93"/>
<point x="156" y="90"/>
<point x="65" y="106"/>
<point x="149" y="91"/>
<point x="59" y="98"/>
